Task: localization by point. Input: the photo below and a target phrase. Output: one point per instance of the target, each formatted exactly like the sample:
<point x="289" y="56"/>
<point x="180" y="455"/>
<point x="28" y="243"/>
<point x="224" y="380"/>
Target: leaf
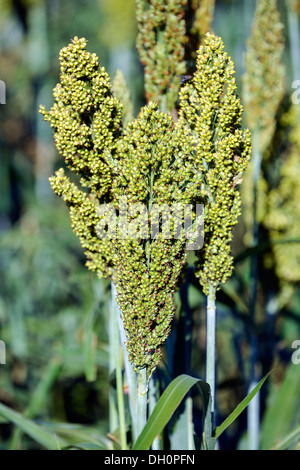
<point x="76" y="435"/>
<point x="36" y="432"/>
<point x="238" y="410"/>
<point x="85" y="446"/>
<point x="288" y="440"/>
<point x="282" y="414"/>
<point x="166" y="406"/>
<point x="38" y="398"/>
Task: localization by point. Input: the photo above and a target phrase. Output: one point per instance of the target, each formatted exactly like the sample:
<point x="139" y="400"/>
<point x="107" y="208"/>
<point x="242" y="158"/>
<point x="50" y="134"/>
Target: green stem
<point x="113" y="350"/>
<point x="120" y="396"/>
<point x="152" y="403"/>
<point x="190" y="424"/>
<point x="211" y="346"/>
<point x="142" y="400"/>
<point x="253" y="409"/>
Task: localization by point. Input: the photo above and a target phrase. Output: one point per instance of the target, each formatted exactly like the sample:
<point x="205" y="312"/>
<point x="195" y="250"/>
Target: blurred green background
<point x="53" y="311"/>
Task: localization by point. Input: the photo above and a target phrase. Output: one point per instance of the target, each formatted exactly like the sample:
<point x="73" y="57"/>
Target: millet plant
<point x="154" y="196"/>
<point x="142" y="167"/>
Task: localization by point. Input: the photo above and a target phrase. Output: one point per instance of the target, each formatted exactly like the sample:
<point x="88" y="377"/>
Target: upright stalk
<point x="142" y="400"/>
<point x="153" y="391"/>
<point x="119" y="381"/>
<point x="211" y="346"/>
<point x="254" y="408"/>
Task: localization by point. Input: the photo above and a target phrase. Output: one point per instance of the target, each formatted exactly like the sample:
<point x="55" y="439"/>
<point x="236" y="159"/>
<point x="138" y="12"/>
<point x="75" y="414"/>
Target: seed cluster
<point x="86" y="120"/>
<point x="84" y="219"/>
<point x="212" y="111"/>
<point x="204" y="10"/>
<point x="283" y="214"/>
<point x="263" y="91"/>
<point x="160" y="44"/>
<point x="122" y="93"/>
<point x="154" y="168"/>
<point x="199" y="16"/>
<point x="86" y="117"/>
<point x="157" y="166"/>
<point x="263" y="82"/>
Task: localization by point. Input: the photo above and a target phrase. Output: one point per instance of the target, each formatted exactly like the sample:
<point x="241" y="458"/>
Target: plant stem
<point x="120" y="396"/>
<point x="211" y="346"/>
<point x="152" y="403"/>
<point x="190" y="424"/>
<point x="113" y="351"/>
<point x="142" y="400"/>
<point x="253" y="409"/>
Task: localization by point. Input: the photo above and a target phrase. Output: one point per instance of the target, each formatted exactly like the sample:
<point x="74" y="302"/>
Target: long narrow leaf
<point x="75" y="435"/>
<point x="166" y="406"/>
<point x="38" y="397"/>
<point x="288" y="440"/>
<point x="281" y="415"/>
<point x="36" y="432"/>
<point x="238" y="410"/>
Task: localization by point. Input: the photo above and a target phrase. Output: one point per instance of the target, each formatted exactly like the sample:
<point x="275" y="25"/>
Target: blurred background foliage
<point x="54" y="312"/>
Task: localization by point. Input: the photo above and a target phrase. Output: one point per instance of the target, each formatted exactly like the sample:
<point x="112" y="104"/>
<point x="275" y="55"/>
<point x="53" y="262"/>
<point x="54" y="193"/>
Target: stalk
<point x="113" y="412"/>
<point x="253" y="408"/>
<point x="211" y="346"/>
<point x="120" y="396"/>
<point x="142" y="400"/>
<point x="152" y="403"/>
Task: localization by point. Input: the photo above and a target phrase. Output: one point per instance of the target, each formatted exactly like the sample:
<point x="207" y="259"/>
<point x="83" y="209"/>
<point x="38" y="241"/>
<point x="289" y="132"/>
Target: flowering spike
<point x="263" y="82"/>
<point x="212" y="111"/>
<point x="160" y="45"/>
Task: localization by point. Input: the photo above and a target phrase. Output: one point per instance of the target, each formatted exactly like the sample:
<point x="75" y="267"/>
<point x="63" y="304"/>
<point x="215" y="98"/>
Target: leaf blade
<point x="241" y="406"/>
<point x="166" y="406"/>
<point x="29" y="427"/>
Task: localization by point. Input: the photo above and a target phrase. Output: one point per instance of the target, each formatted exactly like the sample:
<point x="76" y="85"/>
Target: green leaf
<point x="288" y="440"/>
<point x="282" y="415"/>
<point x="76" y="435"/>
<point x="38" y="397"/>
<point x="90" y="345"/>
<point x="85" y="446"/>
<point x="238" y="410"/>
<point x="166" y="406"/>
<point x="36" y="432"/>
